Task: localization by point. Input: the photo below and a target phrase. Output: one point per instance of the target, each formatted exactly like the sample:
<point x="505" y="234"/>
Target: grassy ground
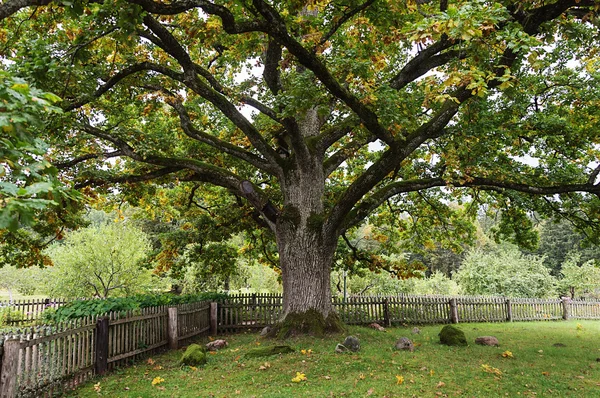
<point x="538" y="368"/>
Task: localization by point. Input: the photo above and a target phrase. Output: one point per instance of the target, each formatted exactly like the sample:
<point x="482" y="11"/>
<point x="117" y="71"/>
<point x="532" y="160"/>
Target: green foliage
<point x="559" y="241"/>
<point x="408" y="114"/>
<point x="505" y="271"/>
<point x="579" y="280"/>
<point x="208" y="267"/>
<point x="25" y="281"/>
<point x="83" y="308"/>
<point x="382" y="283"/>
<point x="28" y="181"/>
<point x="8" y="315"/>
<point x="100" y="261"/>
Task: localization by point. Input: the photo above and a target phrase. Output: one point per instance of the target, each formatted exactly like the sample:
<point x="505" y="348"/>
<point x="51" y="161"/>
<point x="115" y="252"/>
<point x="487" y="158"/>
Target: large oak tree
<point x="357" y="105"/>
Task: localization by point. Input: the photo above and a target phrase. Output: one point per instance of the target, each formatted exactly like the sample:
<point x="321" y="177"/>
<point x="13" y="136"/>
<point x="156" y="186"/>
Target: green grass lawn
<point x="538" y="368"/>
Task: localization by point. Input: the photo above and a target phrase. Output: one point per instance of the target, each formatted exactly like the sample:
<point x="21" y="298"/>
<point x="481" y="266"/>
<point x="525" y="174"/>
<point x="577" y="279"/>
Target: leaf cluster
<point x="84" y="308"/>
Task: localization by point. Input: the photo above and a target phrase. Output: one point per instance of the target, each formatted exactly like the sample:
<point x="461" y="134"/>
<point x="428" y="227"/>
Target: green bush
<point x="8" y="315"/>
<point x="83" y="308"/>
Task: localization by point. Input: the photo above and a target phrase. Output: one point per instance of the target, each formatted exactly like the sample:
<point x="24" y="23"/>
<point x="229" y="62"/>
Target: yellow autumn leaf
<point x="157" y="380"/>
<point x="399" y="379"/>
<point x="299" y="377"/>
<point x="507" y="354"/>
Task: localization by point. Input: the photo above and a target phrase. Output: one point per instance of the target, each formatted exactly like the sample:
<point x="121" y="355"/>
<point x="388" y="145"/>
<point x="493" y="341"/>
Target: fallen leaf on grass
<point x="399" y="379"/>
<point x="370" y="391"/>
<point x="490" y="369"/>
<point x="150" y="361"/>
<point x="327" y="377"/>
<point x="157" y="380"/>
<point x="507" y="354"/>
<point x="299" y="377"/>
<point x="440" y="384"/>
<point x="545" y="373"/>
<point x="264" y="366"/>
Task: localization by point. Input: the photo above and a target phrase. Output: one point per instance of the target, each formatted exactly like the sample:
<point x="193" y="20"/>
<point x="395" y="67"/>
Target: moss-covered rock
<point x="268" y="351"/>
<point x="195" y="355"/>
<point x="451" y="335"/>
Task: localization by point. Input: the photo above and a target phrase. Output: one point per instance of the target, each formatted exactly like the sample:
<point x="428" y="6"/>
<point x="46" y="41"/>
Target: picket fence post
<point x="9" y="368"/>
<point x="172" y="329"/>
<point x="101" y="362"/>
<point x="453" y="311"/>
<point x="213" y="319"/>
<point x="509" y="316"/>
<point x="566" y="304"/>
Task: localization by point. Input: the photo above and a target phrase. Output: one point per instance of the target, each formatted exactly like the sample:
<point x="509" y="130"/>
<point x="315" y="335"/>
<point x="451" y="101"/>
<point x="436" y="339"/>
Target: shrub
<point x="8" y="315"/>
<point x="84" y="308"/>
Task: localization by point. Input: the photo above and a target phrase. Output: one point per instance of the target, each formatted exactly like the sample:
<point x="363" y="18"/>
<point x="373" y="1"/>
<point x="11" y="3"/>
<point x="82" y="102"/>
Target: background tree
<point x="99" y="261"/>
<point x="453" y="95"/>
<point x="560" y="243"/>
<point x="24" y="281"/>
<point x="505" y="271"/>
<point x="579" y="279"/>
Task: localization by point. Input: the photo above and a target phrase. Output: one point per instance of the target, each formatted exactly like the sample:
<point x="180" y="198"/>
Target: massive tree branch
<point x="192" y="81"/>
<point x="226" y="147"/>
<point x="277" y="29"/>
<point x="369" y="204"/>
<point x="10" y="7"/>
<point x="73" y="162"/>
<point x="118" y="77"/>
<point x="272" y="73"/>
<point x="230" y="25"/>
<point x="129" y="178"/>
<point x="337" y="23"/>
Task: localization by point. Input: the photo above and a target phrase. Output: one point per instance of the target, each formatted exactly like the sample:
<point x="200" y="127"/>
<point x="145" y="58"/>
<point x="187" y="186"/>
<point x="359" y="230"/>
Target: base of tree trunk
<point x="310" y="322"/>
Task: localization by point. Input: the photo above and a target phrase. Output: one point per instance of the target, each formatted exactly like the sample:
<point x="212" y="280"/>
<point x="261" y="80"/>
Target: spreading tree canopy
<point x="319" y="114"/>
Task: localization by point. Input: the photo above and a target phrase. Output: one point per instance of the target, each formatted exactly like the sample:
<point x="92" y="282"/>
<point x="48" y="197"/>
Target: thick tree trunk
<point x="305" y="256"/>
<point x="306" y="267"/>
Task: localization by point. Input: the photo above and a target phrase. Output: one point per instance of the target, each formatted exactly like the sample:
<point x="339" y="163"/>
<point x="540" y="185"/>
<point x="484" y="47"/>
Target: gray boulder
<point x="216" y="345"/>
<point x="487" y="340"/>
<point x="416" y="330"/>
<point x="352" y="343"/>
<point x="340" y="349"/>
<point x="405" y="344"/>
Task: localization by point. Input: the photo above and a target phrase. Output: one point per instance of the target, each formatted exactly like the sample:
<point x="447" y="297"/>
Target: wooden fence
<point x="255" y="311"/>
<point x="29" y="310"/>
<point x="40" y="361"/>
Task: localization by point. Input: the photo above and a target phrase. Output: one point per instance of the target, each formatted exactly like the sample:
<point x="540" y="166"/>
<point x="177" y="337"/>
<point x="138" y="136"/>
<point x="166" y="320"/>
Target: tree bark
<point x="305" y="256"/>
